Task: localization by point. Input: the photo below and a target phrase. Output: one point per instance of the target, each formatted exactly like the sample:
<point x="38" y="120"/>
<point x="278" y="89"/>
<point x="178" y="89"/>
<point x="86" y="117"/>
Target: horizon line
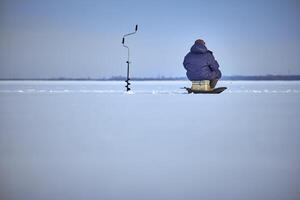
<point x="122" y="78"/>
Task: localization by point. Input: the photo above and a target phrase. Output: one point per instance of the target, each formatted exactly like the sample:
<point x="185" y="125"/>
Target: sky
<point x="82" y="38"/>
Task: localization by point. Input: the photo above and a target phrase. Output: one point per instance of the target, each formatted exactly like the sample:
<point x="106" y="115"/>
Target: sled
<point x="214" y="91"/>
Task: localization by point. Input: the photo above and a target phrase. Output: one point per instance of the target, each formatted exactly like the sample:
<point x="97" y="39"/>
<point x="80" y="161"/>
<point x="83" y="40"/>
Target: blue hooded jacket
<point x="201" y="64"/>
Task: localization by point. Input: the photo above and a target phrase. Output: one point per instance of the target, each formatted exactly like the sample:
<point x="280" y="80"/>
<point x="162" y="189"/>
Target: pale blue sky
<point x="44" y="39"/>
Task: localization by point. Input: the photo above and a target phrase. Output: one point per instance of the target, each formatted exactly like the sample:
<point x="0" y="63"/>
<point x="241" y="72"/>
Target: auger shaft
<point x="128" y="57"/>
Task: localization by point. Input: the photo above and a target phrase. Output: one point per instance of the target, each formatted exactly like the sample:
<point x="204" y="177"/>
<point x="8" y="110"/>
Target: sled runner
<point x="214" y="91"/>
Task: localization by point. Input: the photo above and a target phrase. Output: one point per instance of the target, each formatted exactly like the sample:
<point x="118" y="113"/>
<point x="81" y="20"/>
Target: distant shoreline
<point x="120" y="78"/>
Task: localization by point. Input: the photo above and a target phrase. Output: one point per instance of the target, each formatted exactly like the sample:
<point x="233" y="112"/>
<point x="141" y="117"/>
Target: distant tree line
<point x="263" y="77"/>
<point x="166" y="78"/>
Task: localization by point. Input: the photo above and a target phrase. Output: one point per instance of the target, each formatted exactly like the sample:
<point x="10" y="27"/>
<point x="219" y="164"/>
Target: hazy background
<point x="47" y="39"/>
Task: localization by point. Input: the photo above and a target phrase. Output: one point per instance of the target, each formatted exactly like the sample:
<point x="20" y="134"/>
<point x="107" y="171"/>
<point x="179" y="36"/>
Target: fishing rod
<point x="128" y="57"/>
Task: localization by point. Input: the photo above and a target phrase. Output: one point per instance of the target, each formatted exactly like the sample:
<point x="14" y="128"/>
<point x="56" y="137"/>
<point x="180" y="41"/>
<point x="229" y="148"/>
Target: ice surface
<point x="142" y="87"/>
<point x="91" y="140"/>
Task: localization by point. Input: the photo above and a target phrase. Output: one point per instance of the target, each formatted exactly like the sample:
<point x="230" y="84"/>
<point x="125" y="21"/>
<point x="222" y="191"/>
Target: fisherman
<point x="202" y="68"/>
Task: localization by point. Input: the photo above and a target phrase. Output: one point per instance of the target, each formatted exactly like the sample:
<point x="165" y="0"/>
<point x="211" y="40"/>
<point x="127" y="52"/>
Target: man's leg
<point x="213" y="83"/>
<point x="216" y="75"/>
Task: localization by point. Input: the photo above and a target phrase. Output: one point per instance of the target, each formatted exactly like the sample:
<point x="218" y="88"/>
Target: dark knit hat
<point x="200" y="41"/>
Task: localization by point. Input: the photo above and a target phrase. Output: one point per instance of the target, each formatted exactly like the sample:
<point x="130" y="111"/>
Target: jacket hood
<point x="199" y="48"/>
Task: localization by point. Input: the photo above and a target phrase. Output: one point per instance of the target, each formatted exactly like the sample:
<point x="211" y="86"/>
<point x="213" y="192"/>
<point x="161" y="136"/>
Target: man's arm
<point x="213" y="64"/>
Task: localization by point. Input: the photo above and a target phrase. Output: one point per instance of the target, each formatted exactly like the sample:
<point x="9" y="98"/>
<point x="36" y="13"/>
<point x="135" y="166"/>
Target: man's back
<point x="201" y="64"/>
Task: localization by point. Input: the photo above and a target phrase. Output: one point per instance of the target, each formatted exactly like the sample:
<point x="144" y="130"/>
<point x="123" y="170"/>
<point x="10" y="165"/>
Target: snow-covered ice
<point x="91" y="140"/>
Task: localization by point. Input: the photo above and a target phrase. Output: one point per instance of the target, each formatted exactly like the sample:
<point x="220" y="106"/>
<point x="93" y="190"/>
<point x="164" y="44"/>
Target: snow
<point x="91" y="140"/>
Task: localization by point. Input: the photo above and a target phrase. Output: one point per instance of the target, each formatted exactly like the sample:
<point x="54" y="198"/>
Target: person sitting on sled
<point x="202" y="68"/>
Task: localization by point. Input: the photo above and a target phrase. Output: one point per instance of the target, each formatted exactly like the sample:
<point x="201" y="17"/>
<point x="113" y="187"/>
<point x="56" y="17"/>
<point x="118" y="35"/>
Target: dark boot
<point x="213" y="83"/>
